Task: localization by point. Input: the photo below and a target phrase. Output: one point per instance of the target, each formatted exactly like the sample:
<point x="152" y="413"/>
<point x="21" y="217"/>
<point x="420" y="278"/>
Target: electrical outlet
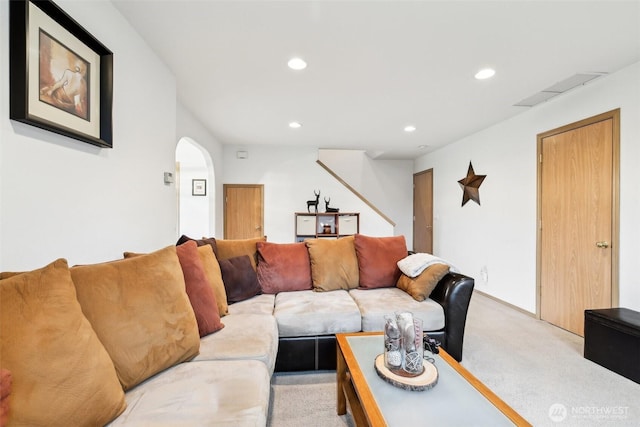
<point x="484" y="275"/>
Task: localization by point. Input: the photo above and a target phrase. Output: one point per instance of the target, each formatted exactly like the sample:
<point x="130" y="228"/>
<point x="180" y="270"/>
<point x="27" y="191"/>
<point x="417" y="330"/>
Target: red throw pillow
<point x="5" y="392"/>
<point x="200" y="292"/>
<point x="239" y="277"/>
<point x="283" y="267"/>
<point x="378" y="260"/>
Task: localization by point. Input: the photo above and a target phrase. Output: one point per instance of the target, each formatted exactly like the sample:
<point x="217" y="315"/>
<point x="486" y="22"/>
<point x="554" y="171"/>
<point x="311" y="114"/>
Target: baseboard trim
<point x="514" y="307"/>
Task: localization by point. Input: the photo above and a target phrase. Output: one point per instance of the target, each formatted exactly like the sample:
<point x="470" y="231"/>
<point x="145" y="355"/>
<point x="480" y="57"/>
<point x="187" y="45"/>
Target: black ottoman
<point x="612" y="340"/>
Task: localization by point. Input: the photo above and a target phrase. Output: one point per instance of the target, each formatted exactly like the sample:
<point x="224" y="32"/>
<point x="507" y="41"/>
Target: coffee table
<point x="458" y="399"/>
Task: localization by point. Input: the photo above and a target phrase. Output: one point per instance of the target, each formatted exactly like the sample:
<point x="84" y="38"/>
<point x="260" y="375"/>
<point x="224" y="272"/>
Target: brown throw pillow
<point x="283" y="267"/>
<point x="214" y="274"/>
<point x="140" y="311"/>
<point x="235" y="248"/>
<point x="240" y="280"/>
<point x="62" y="374"/>
<point x="378" y="260"/>
<point x="334" y="264"/>
<point x="421" y="287"/>
<point x="199" y="290"/>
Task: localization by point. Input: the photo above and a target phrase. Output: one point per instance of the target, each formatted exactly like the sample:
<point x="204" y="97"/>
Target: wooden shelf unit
<point x="326" y="225"/>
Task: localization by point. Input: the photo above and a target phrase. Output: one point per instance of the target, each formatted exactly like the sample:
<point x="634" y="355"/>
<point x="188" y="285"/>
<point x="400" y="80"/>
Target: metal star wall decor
<point x="471" y="186"/>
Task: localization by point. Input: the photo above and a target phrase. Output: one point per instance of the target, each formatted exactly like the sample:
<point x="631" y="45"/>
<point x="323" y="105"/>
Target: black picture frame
<point x="80" y="116"/>
<point x="198" y="187"/>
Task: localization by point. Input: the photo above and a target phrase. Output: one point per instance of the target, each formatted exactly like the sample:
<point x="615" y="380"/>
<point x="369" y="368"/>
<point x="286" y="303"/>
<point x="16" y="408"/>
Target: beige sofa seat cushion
<point x="62" y="374"/>
<point x="245" y="336"/>
<point x="140" y="310"/>
<point x="309" y="313"/>
<point x="220" y="393"/>
<point x="259" y="304"/>
<point x="374" y="304"/>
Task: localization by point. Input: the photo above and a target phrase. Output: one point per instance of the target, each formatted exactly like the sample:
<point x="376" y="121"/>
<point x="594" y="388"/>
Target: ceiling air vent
<point x="558" y="88"/>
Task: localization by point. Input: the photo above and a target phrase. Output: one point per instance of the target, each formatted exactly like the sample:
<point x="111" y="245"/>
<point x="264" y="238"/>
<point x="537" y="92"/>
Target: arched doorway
<point x="195" y="184"/>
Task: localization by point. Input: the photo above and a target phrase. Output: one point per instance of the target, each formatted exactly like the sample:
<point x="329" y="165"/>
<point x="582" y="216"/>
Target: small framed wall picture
<point x="198" y="187"/>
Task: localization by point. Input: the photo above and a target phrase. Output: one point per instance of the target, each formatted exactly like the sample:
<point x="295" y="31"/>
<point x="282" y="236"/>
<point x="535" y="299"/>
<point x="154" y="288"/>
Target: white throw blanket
<point x="415" y="264"/>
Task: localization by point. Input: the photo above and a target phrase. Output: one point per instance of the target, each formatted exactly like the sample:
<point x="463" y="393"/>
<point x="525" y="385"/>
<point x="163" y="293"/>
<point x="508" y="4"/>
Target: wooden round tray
<point x="426" y="380"/>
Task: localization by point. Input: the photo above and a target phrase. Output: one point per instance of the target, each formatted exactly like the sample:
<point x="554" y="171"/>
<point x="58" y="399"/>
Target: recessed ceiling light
<point x="297" y="64"/>
<point x="295" y="125"/>
<point x="409" y="128"/>
<point x="485" y="73"/>
<point x="422" y="147"/>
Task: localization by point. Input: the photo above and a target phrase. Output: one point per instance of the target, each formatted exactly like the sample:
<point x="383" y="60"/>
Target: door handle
<point x="258" y="228"/>
<point x="602" y="245"/>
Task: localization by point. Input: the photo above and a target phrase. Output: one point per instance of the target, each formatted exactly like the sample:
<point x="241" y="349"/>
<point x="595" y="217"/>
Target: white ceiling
<point x="376" y="66"/>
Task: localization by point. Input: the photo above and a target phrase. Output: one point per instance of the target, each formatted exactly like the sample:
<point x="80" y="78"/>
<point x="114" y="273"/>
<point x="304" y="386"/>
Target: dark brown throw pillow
<point x="200" y="242"/>
<point x="240" y="279"/>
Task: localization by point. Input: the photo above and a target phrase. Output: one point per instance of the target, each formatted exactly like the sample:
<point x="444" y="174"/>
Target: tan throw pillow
<point x="62" y="374"/>
<point x="334" y="264"/>
<point x="140" y="311"/>
<point x="421" y="287"/>
<point x="212" y="270"/>
<point x="234" y="248"/>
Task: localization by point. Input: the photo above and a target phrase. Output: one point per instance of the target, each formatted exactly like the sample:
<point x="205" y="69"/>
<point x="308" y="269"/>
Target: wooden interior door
<point x="243" y="211"/>
<point x="423" y="211"/>
<point x="578" y="220"/>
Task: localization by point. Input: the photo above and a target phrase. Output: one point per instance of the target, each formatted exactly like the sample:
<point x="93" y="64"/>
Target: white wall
<point x="64" y="198"/>
<point x="387" y="184"/>
<point x="501" y="233"/>
<point x="188" y="126"/>
<point x="194" y="211"/>
<point x="290" y="175"/>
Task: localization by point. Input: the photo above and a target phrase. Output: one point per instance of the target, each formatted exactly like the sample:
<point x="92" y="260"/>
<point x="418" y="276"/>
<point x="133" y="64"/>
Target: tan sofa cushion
<point x="374" y="304"/>
<point x="309" y="313"/>
<point x="62" y="374"/>
<point x="233" y="393"/>
<point x="140" y="310"/>
<point x="234" y="248"/>
<point x="421" y="287"/>
<point x="334" y="264"/>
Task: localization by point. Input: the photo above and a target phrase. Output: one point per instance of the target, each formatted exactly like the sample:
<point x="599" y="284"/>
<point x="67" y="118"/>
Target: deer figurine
<point x="315" y="202"/>
<point x="327" y="208"/>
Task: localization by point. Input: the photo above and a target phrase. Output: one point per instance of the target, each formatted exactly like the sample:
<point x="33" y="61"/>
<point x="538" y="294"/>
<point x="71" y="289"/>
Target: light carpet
<point x="536" y="368"/>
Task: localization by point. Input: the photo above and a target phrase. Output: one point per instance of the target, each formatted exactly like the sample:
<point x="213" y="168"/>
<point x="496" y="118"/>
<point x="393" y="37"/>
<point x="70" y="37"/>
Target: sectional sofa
<point x="191" y="334"/>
